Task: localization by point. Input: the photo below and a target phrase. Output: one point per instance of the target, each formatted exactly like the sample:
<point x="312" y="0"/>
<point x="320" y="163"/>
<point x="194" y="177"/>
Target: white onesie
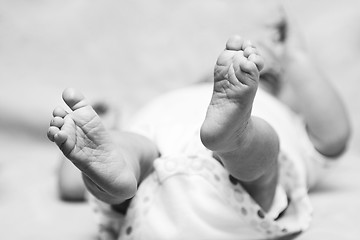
<point x="190" y="195"/>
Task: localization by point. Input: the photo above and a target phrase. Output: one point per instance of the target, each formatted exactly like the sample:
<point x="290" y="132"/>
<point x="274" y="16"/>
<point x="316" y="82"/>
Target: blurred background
<point x="126" y="53"/>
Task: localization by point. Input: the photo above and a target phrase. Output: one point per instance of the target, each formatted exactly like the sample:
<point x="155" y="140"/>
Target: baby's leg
<point x="247" y="146"/>
<point x="111" y="166"/>
<point x="308" y="91"/>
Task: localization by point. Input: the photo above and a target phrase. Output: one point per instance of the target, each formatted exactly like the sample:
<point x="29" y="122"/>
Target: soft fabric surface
<point x="128" y="52"/>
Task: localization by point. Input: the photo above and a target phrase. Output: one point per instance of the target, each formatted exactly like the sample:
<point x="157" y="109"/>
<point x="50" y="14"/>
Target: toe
<point x="60" y="138"/>
<point x="250" y="50"/>
<point x="52" y="131"/>
<point x="57" y="122"/>
<point x="74" y="99"/>
<point x="59" y="112"/>
<point x="235" y="43"/>
<point x="252" y="54"/>
<point x="243" y="65"/>
<point x="248" y="67"/>
<point x="258" y="60"/>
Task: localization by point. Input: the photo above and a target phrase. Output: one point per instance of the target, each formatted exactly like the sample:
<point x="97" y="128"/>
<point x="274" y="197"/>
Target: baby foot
<point x="83" y="139"/>
<point x="236" y="78"/>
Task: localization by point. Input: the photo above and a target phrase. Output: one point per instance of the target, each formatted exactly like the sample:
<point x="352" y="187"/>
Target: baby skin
<point x="231" y="132"/>
<point x="113" y="164"/>
<point x="83" y="139"/>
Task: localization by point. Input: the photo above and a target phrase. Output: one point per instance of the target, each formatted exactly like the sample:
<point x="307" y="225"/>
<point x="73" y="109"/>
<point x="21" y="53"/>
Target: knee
<point x="334" y="145"/>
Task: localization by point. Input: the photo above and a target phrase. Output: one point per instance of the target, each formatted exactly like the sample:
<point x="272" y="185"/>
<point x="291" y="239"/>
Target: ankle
<point x="226" y="142"/>
<point x="226" y="134"/>
<point x="256" y="150"/>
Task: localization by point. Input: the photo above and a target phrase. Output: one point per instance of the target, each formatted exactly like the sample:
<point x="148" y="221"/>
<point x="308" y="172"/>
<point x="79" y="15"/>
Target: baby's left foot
<point x="83" y="139"/>
<point x="236" y="79"/>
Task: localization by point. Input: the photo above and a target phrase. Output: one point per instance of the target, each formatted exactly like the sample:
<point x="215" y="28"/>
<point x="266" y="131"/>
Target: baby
<point x="234" y="164"/>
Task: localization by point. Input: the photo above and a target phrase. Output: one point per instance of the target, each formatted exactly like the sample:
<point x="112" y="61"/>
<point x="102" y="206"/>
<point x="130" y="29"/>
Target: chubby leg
<point x="247" y="146"/>
<point x="309" y="92"/>
<point x="111" y="164"/>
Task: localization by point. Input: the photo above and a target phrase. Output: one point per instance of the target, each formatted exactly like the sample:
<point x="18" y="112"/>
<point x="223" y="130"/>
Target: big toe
<point x="235" y="43"/>
<point x="74" y="98"/>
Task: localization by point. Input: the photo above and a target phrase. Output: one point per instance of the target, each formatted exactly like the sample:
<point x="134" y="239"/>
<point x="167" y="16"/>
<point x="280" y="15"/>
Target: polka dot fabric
<point x="193" y="197"/>
<point x="109" y="221"/>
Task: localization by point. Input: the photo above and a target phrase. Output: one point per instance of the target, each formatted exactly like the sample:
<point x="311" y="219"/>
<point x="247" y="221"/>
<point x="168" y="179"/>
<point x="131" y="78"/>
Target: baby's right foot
<point x="236" y="78"/>
<point x="83" y="139"/>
